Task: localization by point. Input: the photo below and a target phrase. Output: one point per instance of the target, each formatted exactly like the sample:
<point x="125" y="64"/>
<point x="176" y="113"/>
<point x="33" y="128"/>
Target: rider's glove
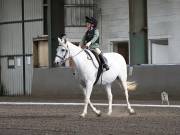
<point x="88" y="44"/>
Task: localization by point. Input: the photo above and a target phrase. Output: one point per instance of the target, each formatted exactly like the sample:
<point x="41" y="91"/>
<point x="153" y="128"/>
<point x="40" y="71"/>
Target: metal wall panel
<point x="76" y="10"/>
<point x="32" y="30"/>
<point x="11" y="39"/>
<point x="10" y="10"/>
<point x="79" y="1"/>
<point x="33" y="9"/>
<point x="11" y="44"/>
<point x="12" y="79"/>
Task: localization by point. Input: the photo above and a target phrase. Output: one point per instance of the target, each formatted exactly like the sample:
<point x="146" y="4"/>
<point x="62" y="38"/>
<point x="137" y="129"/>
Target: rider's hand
<point x="83" y="47"/>
<point x="88" y="44"/>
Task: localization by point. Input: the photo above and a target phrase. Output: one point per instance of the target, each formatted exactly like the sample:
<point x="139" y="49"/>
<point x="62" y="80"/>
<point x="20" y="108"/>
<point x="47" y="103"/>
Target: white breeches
<point x="97" y="50"/>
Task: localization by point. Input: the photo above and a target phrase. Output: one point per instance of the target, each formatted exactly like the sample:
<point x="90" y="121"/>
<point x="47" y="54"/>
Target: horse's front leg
<point x="87" y="94"/>
<point x="98" y="112"/>
<point x="88" y="91"/>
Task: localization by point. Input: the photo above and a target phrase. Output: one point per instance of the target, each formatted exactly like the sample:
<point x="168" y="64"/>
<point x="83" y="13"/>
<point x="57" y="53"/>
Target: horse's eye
<point x="62" y="50"/>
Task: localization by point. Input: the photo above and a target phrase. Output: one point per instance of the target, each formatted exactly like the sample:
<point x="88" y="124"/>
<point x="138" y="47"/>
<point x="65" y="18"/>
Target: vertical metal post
<point x="55" y="26"/>
<point x="138" y="32"/>
<point x="23" y="49"/>
<point x="49" y="31"/>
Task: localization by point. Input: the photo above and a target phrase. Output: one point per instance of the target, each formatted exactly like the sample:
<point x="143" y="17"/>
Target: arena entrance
<point x="122" y="48"/>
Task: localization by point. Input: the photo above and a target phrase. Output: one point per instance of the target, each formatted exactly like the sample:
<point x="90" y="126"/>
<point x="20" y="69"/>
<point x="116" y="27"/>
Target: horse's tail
<point x="131" y="86"/>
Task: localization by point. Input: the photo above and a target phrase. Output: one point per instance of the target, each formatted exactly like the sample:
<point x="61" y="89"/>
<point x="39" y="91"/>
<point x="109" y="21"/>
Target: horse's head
<point x="62" y="51"/>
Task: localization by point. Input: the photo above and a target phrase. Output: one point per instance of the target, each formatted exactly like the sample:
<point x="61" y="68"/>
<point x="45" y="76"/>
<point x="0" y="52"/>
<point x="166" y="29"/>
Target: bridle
<point x="64" y="58"/>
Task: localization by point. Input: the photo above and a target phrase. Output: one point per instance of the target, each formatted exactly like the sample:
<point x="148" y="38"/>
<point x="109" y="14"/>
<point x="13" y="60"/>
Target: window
<point x="76" y="10"/>
<point x="11" y="62"/>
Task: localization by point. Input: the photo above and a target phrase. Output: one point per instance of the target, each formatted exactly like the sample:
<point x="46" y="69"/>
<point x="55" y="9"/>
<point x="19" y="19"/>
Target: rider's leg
<point x="98" y="51"/>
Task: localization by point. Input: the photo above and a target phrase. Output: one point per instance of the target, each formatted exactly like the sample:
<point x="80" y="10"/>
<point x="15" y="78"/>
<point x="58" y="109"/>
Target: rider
<point x="91" y="39"/>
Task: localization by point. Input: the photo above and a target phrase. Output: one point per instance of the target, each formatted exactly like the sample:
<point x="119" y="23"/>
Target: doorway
<point x="122" y="48"/>
<point x="159" y="51"/>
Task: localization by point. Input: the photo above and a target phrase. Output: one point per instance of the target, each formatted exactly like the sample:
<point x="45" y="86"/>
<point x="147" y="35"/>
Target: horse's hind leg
<point x="109" y="94"/>
<point x="124" y="86"/>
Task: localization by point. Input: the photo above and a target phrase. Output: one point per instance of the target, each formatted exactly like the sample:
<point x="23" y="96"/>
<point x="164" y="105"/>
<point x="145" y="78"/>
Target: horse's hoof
<point x="82" y="115"/>
<point x="98" y="113"/>
<point x="109" y="113"/>
<point x="132" y="112"/>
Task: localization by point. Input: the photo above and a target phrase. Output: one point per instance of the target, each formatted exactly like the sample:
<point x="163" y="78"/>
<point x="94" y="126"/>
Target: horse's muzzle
<point x="57" y="63"/>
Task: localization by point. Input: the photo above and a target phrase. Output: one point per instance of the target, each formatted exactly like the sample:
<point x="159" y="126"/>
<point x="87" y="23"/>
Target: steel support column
<point x="55" y="26"/>
<point x="138" y="31"/>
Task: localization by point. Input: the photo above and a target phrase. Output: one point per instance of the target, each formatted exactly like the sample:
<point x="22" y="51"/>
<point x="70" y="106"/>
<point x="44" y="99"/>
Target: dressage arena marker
<point x="79" y="104"/>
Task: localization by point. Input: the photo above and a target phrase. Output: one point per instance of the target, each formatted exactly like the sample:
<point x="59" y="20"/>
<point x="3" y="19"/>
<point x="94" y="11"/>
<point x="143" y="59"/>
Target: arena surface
<point x="53" y="118"/>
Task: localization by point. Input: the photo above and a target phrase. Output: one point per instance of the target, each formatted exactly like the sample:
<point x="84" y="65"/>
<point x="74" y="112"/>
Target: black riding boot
<point x="103" y="62"/>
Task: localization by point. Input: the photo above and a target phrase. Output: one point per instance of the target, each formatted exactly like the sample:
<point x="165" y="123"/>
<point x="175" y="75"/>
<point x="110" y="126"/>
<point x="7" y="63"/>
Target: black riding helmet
<point x="91" y="20"/>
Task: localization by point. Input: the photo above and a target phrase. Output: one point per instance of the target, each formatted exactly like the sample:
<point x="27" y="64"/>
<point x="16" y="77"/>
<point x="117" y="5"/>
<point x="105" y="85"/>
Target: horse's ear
<point x="59" y="40"/>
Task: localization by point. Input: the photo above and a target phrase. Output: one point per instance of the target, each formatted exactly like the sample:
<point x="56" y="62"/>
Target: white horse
<point x="88" y="71"/>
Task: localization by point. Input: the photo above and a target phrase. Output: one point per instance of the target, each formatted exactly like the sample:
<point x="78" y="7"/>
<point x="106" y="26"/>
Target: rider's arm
<point x="95" y="37"/>
<point x="82" y="42"/>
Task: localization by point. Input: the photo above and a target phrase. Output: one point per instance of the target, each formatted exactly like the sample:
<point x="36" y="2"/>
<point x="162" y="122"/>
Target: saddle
<point x="100" y="68"/>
